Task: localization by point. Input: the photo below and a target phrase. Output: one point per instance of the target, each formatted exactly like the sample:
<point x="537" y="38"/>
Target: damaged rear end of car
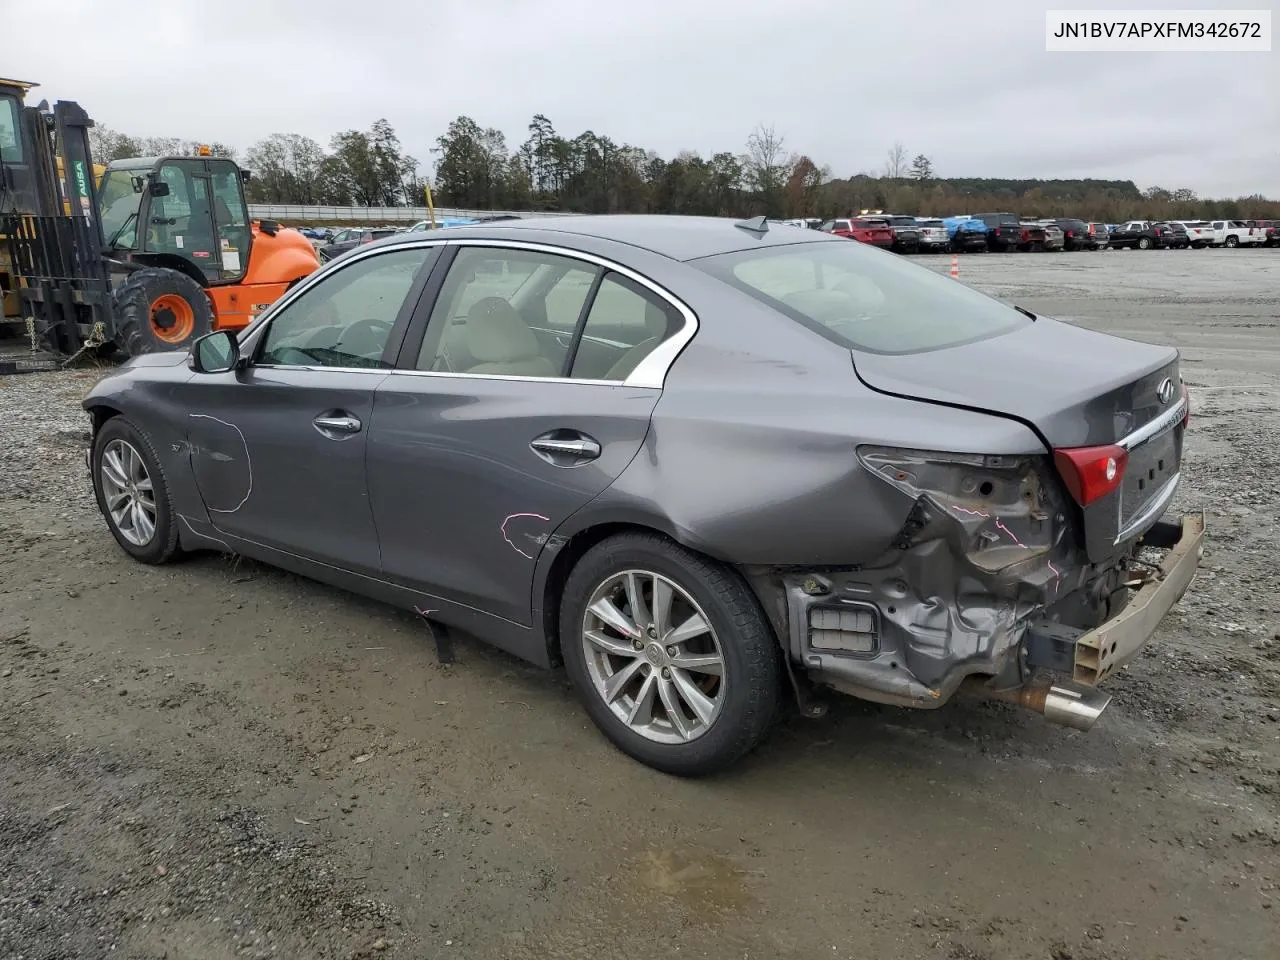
<point x="1028" y="577"/>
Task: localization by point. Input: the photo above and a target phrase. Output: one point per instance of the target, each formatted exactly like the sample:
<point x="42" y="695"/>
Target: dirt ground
<point x="216" y="760"/>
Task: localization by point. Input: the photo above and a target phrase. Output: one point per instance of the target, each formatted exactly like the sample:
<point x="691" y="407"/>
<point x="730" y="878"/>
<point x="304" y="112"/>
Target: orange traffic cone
<point x="955" y="266"/>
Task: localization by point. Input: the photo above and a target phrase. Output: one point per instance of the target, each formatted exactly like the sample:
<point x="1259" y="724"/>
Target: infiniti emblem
<point x="1166" y="390"/>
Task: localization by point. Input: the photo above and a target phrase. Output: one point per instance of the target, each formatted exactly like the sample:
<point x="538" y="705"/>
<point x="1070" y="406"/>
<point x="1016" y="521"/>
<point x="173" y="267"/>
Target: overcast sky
<point x="968" y="83"/>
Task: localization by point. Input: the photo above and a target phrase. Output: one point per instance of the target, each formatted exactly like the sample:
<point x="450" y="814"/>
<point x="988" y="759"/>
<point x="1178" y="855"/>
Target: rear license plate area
<point x="1151" y="466"/>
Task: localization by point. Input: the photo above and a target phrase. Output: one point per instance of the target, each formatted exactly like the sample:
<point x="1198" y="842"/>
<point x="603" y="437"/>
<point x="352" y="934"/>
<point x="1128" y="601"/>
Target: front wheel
<point x="157" y="309"/>
<point x="132" y="492"/>
<point x="1232" y="241"/>
<point x="670" y="653"/>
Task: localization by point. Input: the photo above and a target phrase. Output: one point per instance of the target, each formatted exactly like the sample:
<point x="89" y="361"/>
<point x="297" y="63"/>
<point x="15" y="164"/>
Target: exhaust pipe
<point x="1069" y="704"/>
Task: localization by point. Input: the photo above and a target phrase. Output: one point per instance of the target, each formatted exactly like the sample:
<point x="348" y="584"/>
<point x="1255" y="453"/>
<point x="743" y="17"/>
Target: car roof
<point x="677" y="237"/>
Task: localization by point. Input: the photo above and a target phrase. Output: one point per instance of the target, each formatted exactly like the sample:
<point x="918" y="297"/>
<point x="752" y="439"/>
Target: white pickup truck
<point x="1200" y="232"/>
<point x="1236" y="233"/>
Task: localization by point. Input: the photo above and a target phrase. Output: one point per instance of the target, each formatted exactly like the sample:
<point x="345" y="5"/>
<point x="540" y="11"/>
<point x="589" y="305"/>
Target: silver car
<point x="710" y="467"/>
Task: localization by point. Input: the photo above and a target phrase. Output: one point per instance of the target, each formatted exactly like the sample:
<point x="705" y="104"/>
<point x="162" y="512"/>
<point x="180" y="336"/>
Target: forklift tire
<point x="157" y="310"/>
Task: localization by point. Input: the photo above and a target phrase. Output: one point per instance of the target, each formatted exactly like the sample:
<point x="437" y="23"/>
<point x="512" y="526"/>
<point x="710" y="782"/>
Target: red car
<point x="870" y="230"/>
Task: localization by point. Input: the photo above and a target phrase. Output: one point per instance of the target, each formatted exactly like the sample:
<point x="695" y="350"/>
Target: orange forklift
<point x="157" y="254"/>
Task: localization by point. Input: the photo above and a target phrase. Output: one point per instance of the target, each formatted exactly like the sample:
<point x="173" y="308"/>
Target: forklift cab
<point x="192" y="208"/>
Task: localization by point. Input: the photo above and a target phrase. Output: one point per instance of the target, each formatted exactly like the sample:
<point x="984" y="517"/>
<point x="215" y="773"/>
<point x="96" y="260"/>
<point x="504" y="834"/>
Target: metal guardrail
<point x="285" y="212"/>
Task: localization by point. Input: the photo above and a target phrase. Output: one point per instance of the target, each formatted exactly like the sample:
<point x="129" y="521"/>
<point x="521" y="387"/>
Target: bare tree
<point x="767" y="166"/>
<point x="895" y="167"/>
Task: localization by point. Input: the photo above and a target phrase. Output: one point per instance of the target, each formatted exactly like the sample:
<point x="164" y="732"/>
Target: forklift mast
<point x="52" y="232"/>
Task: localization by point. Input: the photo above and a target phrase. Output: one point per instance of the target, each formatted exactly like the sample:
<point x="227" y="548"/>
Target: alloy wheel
<point x="653" y="656"/>
<point x="127" y="492"/>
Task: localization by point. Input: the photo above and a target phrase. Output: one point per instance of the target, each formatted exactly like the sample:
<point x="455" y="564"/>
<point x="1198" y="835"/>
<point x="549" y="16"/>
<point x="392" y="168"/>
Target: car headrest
<point x="655" y="320"/>
<point x="497" y="334"/>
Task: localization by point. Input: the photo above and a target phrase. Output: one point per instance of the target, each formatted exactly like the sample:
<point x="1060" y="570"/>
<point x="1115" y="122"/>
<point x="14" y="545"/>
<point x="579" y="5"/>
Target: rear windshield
<point x="863" y="298"/>
<point x="903" y="221"/>
<point x="930" y="223"/>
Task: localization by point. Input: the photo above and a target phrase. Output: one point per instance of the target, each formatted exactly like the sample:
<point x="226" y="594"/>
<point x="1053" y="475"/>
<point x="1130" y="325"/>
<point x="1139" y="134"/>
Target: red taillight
<point x="1091" y="473"/>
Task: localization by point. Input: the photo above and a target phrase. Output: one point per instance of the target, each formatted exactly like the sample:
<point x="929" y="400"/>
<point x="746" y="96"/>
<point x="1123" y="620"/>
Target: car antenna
<point x="755" y="225"/>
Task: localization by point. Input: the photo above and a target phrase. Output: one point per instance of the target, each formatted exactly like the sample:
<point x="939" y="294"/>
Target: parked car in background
<point x="572" y="483"/>
<point x="933" y="235"/>
<point x="1146" y="235"/>
<point x="967" y="233"/>
<point x="1270" y="232"/>
<point x="1199" y="232"/>
<point x="906" y="232"/>
<point x="1236" y="233"/>
<point x="871" y="230"/>
<point x="1099" y="237"/>
<point x="351" y="238"/>
<point x="1053" y="234"/>
<point x="1031" y="236"/>
<point x="1075" y="233"/>
<point x="1004" y="232"/>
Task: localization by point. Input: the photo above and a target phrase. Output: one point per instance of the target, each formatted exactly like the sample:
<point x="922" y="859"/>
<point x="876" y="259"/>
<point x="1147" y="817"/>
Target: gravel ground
<point x="217" y="760"/>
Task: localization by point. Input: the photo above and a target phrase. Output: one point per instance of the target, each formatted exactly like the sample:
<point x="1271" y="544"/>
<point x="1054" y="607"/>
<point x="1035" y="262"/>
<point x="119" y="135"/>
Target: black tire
<point x="1144" y="243"/>
<point x="133" y="300"/>
<point x="752" y="668"/>
<point x="163" y="545"/>
<point x="1231" y="242"/>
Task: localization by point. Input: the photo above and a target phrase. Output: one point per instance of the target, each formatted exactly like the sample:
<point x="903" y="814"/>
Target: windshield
<point x="10" y="142"/>
<point x="863" y="298"/>
<point x="119" y="205"/>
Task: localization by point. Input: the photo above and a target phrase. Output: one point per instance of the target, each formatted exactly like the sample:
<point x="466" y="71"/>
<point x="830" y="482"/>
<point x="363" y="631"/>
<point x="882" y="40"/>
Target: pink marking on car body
<point x="1057" y="574"/>
<point x="515" y="516"/>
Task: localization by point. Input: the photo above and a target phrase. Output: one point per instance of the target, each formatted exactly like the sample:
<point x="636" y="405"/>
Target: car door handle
<point x="580" y="447"/>
<point x="337" y="424"/>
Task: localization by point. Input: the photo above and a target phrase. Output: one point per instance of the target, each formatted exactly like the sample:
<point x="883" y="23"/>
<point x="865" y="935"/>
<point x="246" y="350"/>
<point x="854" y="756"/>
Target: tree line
<point x="475" y="169"/>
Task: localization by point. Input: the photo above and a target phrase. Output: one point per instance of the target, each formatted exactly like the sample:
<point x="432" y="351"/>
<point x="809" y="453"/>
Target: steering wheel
<point x="376" y="333"/>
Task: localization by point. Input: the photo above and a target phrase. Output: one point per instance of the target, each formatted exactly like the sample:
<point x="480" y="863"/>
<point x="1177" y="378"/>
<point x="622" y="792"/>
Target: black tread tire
<point x="1231" y="242"/>
<point x="132" y="306"/>
<point x="752" y="666"/>
<point x="164" y="545"/>
<point x="1144" y="243"/>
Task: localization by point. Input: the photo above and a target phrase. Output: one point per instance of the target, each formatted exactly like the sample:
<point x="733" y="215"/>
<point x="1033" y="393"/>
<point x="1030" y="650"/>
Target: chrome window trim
<point x="1167" y="420"/>
<point x="650" y="373"/>
<point x="522" y="379"/>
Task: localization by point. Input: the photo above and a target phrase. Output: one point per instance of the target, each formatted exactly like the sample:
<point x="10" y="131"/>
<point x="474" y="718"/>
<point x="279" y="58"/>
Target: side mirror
<point x="215" y="352"/>
<point x="245" y="175"/>
<point x="159" y="188"/>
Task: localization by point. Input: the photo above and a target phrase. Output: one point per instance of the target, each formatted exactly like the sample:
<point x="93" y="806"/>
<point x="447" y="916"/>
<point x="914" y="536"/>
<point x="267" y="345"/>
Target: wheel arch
<point x="169" y="261"/>
<point x="100" y="411"/>
<point x="568" y="546"/>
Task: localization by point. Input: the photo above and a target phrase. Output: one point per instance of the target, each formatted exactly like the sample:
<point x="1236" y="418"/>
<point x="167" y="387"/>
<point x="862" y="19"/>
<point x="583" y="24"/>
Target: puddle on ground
<point x="700" y="879"/>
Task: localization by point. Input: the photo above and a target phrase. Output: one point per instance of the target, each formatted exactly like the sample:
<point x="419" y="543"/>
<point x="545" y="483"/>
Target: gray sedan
<point x="711" y="467"/>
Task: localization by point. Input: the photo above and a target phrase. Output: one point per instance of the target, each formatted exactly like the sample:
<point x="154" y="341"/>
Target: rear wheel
<point x="157" y="310"/>
<point x="1144" y="243"/>
<point x="670" y="653"/>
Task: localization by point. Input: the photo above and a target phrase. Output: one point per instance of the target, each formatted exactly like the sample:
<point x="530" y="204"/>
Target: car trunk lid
<point x="1076" y="389"/>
